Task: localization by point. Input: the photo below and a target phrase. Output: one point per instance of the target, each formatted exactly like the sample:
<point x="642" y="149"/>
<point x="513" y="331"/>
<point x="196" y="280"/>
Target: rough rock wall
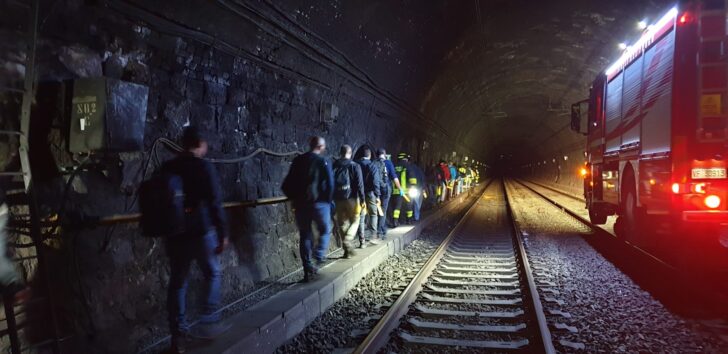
<point x="250" y="81"/>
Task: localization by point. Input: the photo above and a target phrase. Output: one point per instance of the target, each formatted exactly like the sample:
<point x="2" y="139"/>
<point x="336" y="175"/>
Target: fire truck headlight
<point x="712" y="201"/>
<point x="413" y="192"/>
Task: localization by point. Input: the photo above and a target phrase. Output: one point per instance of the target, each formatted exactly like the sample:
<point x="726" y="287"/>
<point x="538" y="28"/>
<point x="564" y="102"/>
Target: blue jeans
<point x="417" y="205"/>
<point x="320" y="214"/>
<point x="182" y="251"/>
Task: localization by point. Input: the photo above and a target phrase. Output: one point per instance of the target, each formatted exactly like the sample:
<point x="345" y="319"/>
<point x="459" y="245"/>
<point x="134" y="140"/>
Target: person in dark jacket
<point x="372" y="193"/>
<point x="310" y="185"/>
<point x="389" y="182"/>
<point x="348" y="198"/>
<point x="204" y="238"/>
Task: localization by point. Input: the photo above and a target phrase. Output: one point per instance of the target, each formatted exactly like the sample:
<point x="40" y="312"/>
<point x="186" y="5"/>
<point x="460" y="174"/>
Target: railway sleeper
<point x="465" y="327"/>
<point x="488" y="344"/>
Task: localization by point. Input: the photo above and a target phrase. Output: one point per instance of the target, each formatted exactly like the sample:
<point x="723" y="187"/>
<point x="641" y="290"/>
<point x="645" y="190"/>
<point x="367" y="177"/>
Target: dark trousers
<point x="399" y="204"/>
<point x="320" y="214"/>
<point x="368" y="222"/>
<point x="182" y="251"/>
<point x="382" y="222"/>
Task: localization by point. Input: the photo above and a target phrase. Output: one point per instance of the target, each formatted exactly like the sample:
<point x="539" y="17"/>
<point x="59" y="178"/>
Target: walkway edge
<point x="267" y="325"/>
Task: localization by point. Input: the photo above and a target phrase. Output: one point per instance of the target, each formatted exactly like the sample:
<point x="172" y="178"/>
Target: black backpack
<point x="342" y="181"/>
<point x="383" y="168"/>
<point x="161" y="202"/>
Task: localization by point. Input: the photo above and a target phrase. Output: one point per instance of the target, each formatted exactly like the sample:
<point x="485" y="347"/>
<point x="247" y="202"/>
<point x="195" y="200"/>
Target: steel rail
<point x="545" y="333"/>
<point x="379" y="336"/>
<point x="583" y="220"/>
<point x="596" y="230"/>
<point x="555" y="190"/>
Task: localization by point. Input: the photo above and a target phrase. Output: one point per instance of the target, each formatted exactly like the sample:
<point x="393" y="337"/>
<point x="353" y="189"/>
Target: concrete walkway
<point x="269" y="324"/>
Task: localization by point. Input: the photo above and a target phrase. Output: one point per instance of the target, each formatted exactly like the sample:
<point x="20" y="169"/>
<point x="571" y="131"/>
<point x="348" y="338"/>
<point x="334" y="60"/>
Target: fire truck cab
<point x="657" y="132"/>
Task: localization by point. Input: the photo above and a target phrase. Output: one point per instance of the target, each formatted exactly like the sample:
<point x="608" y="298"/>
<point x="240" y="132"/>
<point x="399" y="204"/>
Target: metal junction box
<point x="108" y="115"/>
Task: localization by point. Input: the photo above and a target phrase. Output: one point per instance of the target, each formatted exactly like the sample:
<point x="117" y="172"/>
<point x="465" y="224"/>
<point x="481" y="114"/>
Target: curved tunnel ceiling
<point x="499" y="75"/>
<point x="507" y="85"/>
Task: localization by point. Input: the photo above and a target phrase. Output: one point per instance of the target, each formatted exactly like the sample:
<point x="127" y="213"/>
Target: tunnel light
<point x="566" y="158"/>
<point x="645" y="40"/>
<point x="622" y="46"/>
<point x="712" y="201"/>
<point x="642" y="24"/>
<point x="583" y="172"/>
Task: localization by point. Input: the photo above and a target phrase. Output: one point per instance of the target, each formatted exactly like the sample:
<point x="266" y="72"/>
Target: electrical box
<point x="107" y="115"/>
<point x="331" y="111"/>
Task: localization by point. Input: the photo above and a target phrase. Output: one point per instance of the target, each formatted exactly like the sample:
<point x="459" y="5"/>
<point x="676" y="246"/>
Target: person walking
<point x="443" y="178"/>
<point x="203" y="239"/>
<point x="372" y="193"/>
<point x="453" y="179"/>
<point x="310" y="185"/>
<point x="417" y="183"/>
<point x="389" y="182"/>
<point x="402" y="194"/>
<point x="348" y="198"/>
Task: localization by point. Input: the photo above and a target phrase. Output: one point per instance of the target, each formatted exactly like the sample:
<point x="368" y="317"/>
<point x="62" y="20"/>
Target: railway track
<point x="476" y="292"/>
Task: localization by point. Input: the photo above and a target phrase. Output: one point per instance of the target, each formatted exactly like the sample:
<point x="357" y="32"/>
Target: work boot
<point x="179" y="343"/>
<point x="310" y="274"/>
<point x="362" y="244"/>
<point x="348" y="253"/>
<point x="373" y="242"/>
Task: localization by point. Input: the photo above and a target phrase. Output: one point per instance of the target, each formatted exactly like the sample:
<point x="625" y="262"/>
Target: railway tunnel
<point x="95" y="96"/>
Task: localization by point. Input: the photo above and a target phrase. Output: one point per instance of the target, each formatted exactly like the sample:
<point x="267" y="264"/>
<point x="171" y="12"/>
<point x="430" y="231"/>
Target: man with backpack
<point x="389" y="180"/>
<point x="348" y="197"/>
<point x="372" y="193"/>
<point x="310" y="185"/>
<point x="203" y="239"/>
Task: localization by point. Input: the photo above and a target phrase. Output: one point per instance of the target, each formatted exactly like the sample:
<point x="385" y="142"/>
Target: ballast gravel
<point x="607" y="310"/>
<point x="350" y="319"/>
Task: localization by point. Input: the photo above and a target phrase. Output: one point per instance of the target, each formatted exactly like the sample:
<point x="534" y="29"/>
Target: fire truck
<point x="657" y="134"/>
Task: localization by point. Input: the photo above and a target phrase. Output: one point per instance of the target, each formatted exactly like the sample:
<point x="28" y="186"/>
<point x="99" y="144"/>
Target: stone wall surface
<point x="249" y="79"/>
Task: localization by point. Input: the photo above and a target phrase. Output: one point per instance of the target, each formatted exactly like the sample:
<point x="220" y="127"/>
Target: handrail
<point x="134" y="217"/>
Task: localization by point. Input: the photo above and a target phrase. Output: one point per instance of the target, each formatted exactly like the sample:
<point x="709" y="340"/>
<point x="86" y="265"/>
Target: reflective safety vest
<point x="403" y="180"/>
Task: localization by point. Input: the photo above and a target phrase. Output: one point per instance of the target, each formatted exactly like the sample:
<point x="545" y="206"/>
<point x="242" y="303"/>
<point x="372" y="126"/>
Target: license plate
<point x="709" y="173"/>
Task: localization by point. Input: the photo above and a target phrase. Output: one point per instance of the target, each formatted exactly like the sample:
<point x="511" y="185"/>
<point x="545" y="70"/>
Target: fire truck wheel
<point x="596" y="217"/>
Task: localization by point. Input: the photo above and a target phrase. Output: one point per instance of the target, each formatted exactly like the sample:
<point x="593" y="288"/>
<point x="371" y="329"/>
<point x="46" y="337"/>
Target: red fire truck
<point x="657" y="133"/>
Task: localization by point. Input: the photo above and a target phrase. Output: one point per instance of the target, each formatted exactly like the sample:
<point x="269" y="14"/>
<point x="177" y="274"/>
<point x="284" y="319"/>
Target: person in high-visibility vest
<point x="400" y="193"/>
<point x="463" y="173"/>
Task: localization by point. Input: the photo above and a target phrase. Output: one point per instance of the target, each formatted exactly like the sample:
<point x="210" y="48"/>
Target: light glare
<point x="649" y="35"/>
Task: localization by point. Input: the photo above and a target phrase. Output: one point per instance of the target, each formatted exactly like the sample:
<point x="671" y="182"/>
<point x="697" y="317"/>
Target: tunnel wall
<point x="559" y="169"/>
<point x="246" y="82"/>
